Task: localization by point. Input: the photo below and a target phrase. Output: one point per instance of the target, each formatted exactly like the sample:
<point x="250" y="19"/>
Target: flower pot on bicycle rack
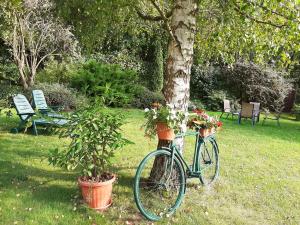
<point x="164" y="132"/>
<point x="204" y="132"/>
<point x="97" y="194"/>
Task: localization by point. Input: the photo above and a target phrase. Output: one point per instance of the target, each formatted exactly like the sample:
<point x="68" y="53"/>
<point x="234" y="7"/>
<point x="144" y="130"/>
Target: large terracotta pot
<point x="164" y="132"/>
<point x="97" y="194"/>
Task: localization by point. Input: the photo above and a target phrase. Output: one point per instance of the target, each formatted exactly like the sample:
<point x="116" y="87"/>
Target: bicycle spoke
<point x="158" y="193"/>
<point x="208" y="161"/>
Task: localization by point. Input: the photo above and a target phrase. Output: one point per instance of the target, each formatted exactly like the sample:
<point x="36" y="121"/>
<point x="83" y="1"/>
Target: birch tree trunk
<point x="180" y="57"/>
<point x="178" y="67"/>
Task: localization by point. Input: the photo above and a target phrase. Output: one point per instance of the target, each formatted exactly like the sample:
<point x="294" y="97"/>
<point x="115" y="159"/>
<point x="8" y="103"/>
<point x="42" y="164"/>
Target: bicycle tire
<point x="159" y="198"/>
<point x="209" y="161"/>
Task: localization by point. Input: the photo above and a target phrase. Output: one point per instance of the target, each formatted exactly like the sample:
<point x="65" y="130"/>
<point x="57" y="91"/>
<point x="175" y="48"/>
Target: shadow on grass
<point x="12" y="173"/>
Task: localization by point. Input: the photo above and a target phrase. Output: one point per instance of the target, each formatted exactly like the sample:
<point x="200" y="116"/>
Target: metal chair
<point x="269" y="116"/>
<point x="226" y="108"/>
<point x="256" y="110"/>
<point x="247" y="111"/>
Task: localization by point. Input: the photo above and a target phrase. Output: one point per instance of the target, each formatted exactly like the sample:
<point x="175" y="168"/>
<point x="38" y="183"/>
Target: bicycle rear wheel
<point x="208" y="161"/>
<point x="159" y="194"/>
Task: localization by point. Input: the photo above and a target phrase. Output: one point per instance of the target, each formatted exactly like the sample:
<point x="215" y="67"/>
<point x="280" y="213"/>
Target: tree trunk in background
<point x="178" y="67"/>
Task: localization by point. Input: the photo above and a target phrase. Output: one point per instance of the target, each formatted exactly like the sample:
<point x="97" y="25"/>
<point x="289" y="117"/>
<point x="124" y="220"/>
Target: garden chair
<point x="226" y="108"/>
<point x="39" y="102"/>
<point x="26" y="114"/>
<point x="247" y="111"/>
<point x="269" y="116"/>
<point x="256" y="110"/>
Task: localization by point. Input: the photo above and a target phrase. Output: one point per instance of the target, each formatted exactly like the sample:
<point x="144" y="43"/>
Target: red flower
<point x="219" y="124"/>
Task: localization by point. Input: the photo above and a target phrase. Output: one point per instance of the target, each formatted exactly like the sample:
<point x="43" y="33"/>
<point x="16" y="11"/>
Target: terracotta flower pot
<point x="97" y="194"/>
<point x="204" y="132"/>
<point x="164" y="132"/>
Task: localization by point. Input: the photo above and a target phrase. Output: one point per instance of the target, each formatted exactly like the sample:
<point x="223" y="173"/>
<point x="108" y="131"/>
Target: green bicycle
<point x="158" y="193"/>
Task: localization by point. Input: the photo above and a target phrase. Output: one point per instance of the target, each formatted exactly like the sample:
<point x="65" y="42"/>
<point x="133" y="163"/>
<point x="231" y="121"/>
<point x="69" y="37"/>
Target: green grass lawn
<point x="259" y="179"/>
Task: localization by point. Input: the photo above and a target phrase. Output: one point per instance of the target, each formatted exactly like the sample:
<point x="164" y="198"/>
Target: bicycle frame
<point x="194" y="170"/>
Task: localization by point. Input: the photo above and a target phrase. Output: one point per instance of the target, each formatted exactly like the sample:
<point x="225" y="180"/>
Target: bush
<point x="58" y="95"/>
<point x="123" y="58"/>
<point x="196" y="104"/>
<point x="6" y="93"/>
<point x="214" y="101"/>
<point x="117" y="86"/>
<point x="57" y="72"/>
<point x="144" y="98"/>
<point x="260" y="84"/>
<point x="204" y="80"/>
<point x="9" y="73"/>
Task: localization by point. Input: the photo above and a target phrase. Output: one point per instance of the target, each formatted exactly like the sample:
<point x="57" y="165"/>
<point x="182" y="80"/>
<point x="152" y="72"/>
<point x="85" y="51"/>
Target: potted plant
<point x="95" y="136"/>
<point x="208" y="124"/>
<point x="164" y="121"/>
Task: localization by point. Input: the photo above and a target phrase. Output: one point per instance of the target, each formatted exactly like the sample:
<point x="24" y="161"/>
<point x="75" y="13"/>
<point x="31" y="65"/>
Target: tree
<point x="227" y="30"/>
<point x="158" y="67"/>
<point x="258" y="84"/>
<point x="34" y="35"/>
<point x="217" y="22"/>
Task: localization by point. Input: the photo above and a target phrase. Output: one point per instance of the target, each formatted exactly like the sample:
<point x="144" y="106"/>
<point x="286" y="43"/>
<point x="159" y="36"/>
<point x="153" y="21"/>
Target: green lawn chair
<point x="39" y="102"/>
<point x="26" y="112"/>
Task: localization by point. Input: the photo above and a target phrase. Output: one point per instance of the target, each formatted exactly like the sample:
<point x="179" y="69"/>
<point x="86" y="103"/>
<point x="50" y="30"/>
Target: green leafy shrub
<point x="124" y="58"/>
<point x="95" y="137"/>
<point x="204" y="80"/>
<point x="9" y="73"/>
<point x="117" y="86"/>
<point x="144" y="98"/>
<point x="58" y="72"/>
<point x="6" y="93"/>
<point x="196" y="104"/>
<point x="214" y="101"/>
<point x="58" y="95"/>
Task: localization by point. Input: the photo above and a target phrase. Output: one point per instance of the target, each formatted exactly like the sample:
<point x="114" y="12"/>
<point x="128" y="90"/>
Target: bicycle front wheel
<point x="208" y="161"/>
<point x="159" y="185"/>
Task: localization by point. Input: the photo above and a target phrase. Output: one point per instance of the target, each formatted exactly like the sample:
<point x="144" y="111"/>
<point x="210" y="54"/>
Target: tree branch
<point x="165" y="19"/>
<point x="146" y="16"/>
<point x="266" y="9"/>
<point x="238" y="10"/>
<point x="45" y="56"/>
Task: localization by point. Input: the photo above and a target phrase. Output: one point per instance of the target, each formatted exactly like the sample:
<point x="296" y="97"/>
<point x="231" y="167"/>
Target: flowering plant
<point x="202" y="119"/>
<point x="163" y="114"/>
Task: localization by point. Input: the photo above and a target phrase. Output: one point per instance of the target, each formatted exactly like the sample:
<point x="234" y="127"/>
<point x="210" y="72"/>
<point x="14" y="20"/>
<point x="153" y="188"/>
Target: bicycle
<point x="158" y="193"/>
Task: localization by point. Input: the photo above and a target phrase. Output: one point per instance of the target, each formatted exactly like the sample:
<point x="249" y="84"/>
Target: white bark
<point x="180" y="57"/>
